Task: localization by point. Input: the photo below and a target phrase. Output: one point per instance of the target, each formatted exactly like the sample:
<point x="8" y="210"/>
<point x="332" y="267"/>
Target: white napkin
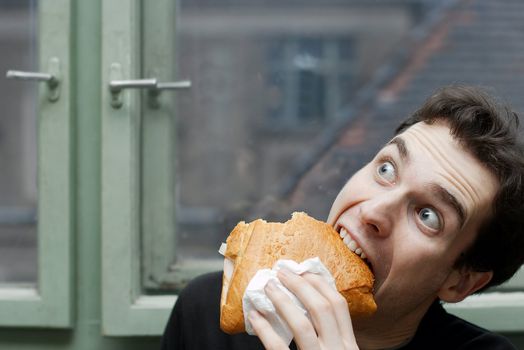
<point x="255" y="296"/>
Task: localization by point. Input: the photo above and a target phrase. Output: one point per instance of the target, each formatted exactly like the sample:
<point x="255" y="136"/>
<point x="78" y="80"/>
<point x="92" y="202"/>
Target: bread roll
<point x="259" y="244"/>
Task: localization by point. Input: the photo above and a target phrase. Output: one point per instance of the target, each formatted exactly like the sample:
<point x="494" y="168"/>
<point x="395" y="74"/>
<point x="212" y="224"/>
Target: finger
<point x="302" y="329"/>
<point x="321" y="311"/>
<point x="338" y="303"/>
<point x="267" y="335"/>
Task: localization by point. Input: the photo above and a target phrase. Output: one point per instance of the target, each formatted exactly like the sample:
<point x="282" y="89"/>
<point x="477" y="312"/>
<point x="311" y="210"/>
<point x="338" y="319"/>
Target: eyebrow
<point x="443" y="194"/>
<point x="401" y="146"/>
<point x="450" y="200"/>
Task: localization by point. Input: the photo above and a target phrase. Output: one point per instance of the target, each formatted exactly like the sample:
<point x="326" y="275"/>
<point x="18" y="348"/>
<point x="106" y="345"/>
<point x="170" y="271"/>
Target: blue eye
<point x="386" y="171"/>
<point x="429" y="218"/>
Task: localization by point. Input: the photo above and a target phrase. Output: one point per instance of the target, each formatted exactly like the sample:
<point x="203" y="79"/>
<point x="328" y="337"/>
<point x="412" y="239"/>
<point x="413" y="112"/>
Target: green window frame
<point x="125" y="310"/>
<point x="49" y="303"/>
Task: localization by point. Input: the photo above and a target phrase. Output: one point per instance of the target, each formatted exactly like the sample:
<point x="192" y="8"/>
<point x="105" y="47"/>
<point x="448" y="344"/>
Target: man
<point x="438" y="213"/>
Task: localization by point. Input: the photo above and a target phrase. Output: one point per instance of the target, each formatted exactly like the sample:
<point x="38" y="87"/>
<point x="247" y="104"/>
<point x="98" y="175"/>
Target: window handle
<point x="116" y="86"/>
<point x="152" y="85"/>
<point x="32" y="76"/>
<point x="174" y="85"/>
<point x="52" y="78"/>
<point x="153" y="100"/>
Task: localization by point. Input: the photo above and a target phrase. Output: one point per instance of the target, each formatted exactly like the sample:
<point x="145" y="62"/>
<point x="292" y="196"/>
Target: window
<point x="309" y="80"/>
<point x="262" y="100"/>
<point x="36" y="180"/>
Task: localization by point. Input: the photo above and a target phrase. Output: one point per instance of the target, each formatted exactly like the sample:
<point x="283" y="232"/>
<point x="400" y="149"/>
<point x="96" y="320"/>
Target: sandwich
<point x="259" y="244"/>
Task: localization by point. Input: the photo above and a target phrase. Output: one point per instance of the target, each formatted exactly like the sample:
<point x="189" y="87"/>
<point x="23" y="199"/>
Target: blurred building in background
<point x="274" y="82"/>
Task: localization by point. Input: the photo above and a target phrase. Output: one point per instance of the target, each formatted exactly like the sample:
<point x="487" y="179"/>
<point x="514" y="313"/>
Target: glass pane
<point x="18" y="189"/>
<point x="272" y="83"/>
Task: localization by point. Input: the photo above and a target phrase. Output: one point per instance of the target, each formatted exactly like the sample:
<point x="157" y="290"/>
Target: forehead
<point x="433" y="156"/>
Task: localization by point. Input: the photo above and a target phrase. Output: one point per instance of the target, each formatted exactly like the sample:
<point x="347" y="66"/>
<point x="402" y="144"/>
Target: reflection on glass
<point x="271" y="80"/>
<point x="18" y="190"/>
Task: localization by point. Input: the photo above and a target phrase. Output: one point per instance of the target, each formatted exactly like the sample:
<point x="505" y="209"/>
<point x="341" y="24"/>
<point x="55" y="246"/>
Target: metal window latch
<point x="52" y="78"/>
<point x="152" y="85"/>
<point x="116" y="86"/>
<point x="182" y="84"/>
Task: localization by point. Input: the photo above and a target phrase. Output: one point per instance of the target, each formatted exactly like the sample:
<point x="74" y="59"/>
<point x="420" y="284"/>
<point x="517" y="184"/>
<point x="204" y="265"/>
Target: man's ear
<point x="463" y="282"/>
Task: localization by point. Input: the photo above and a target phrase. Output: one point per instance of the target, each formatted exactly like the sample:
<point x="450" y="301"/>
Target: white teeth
<point x="350" y="243"/>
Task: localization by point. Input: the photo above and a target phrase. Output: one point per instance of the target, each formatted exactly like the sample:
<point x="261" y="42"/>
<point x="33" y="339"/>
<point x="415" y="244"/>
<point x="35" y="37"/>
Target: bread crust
<point x="260" y="244"/>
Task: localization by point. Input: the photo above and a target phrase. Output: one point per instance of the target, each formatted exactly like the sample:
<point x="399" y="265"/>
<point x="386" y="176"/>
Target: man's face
<point x="413" y="210"/>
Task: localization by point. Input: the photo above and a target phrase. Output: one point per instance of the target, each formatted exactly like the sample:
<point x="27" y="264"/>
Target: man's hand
<point x="330" y="325"/>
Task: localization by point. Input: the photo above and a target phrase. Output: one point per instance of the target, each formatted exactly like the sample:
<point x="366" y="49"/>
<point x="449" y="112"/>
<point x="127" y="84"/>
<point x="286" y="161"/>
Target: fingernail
<point x="285" y="272"/>
<point x="271" y="285"/>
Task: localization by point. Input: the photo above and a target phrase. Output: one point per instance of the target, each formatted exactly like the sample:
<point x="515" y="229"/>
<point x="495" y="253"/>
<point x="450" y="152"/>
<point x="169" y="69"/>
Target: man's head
<point x="490" y="132"/>
<point x="420" y="208"/>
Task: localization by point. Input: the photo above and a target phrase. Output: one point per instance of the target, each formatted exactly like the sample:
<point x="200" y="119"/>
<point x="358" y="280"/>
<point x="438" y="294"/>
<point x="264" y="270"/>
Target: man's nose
<point x="378" y="214"/>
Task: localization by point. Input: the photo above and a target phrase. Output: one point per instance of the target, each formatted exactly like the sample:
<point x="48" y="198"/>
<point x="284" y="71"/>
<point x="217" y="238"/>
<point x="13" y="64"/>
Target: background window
<point x="309" y="80"/>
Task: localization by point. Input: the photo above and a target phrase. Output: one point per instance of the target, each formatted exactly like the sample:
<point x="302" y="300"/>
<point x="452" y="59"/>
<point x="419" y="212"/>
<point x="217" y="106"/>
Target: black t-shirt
<point x="194" y="324"/>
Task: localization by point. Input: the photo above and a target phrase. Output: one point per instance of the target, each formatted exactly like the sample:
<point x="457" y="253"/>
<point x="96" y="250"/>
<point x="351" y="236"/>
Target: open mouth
<point x="353" y="245"/>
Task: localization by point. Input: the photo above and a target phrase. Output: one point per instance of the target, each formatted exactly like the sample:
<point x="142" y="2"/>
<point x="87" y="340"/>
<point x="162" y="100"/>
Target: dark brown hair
<point x="490" y="131"/>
